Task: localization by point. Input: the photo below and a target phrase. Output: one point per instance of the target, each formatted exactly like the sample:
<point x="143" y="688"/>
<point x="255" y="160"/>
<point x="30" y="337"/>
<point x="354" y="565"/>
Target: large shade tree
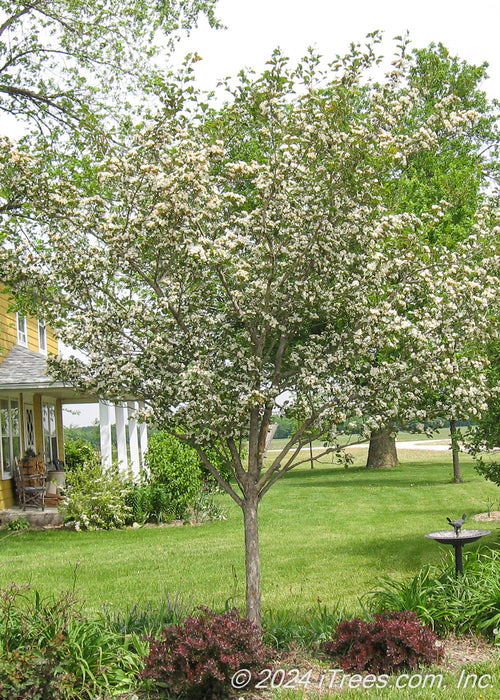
<point x="231" y="264"/>
<point x="59" y="59"/>
<point x="455" y="176"/>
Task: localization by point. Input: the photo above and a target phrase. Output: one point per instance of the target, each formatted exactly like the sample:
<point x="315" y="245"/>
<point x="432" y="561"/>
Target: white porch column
<point x="121" y="434"/>
<point x="133" y="439"/>
<point x="105" y="434"/>
<point x="143" y="438"/>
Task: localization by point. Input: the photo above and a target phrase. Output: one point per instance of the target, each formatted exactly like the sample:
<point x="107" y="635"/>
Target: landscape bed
<point x="328" y="537"/>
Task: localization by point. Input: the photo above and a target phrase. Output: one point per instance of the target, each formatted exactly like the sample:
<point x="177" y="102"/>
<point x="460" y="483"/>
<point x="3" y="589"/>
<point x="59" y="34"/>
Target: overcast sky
<point x="256" y="27"/>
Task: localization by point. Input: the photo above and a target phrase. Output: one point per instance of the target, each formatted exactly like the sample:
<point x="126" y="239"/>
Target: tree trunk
<point x="382" y="453"/>
<point x="252" y="560"/>
<point x="455" y="449"/>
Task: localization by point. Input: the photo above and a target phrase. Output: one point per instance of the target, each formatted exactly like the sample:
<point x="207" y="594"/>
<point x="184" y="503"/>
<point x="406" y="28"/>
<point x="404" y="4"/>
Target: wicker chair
<point x="30" y="488"/>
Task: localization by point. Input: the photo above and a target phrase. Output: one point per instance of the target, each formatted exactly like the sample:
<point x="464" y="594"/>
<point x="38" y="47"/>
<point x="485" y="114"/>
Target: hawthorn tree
<point x="74" y="74"/>
<point x="220" y="290"/>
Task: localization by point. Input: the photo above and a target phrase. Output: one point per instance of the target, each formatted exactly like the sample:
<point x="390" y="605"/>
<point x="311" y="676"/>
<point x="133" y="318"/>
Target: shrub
<point x="176" y="466"/>
<point x="205" y="508"/>
<point x="390" y="643"/>
<point x="94" y="498"/>
<point x="76" y="453"/>
<point x="198" y="658"/>
<point x="28" y="675"/>
<point x="149" y="502"/>
<point x="21" y="523"/>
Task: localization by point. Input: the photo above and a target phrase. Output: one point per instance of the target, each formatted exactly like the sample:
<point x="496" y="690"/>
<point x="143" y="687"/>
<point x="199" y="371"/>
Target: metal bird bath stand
<point x="457" y="538"/>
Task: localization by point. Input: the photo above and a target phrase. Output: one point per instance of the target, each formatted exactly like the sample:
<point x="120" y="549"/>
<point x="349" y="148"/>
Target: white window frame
<point x="42" y="337"/>
<point x="29" y="427"/>
<point x="9" y="439"/>
<point x="22" y="330"/>
<point x="49" y="427"/>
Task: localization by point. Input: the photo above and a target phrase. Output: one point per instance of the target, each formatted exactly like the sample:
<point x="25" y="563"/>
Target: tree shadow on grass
<point x="335" y="477"/>
<point x="414" y="549"/>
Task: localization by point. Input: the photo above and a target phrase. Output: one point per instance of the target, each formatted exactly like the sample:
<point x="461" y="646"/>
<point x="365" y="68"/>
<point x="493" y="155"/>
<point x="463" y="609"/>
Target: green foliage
<point x="149" y="502"/>
<point x="77" y="452"/>
<point x="88" y="434"/>
<point x="50" y="651"/>
<point x="488" y="468"/>
<point x="205" y="507"/>
<point x="59" y="62"/>
<point x="457" y="172"/>
<point x="469" y="603"/>
<point x="21" y="523"/>
<point x="286" y="427"/>
<point x="284" y="629"/>
<point x="175" y="466"/>
<point x="95" y="496"/>
<point x="146" y="619"/>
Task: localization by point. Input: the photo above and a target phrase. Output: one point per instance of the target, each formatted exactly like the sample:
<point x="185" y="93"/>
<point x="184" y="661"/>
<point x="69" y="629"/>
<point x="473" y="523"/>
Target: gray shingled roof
<point x="24" y="367"/>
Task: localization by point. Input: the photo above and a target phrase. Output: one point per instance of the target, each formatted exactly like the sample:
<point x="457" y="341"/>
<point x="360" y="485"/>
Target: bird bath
<point x="457" y="540"/>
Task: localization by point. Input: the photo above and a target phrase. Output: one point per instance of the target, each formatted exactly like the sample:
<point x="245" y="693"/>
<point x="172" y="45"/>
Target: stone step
<point x="50" y="517"/>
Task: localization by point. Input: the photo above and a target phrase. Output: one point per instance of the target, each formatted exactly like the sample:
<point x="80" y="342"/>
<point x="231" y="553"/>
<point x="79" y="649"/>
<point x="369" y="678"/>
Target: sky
<point x="255" y="28"/>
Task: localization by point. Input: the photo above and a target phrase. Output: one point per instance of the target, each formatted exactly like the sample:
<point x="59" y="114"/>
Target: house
<point x="31" y="403"/>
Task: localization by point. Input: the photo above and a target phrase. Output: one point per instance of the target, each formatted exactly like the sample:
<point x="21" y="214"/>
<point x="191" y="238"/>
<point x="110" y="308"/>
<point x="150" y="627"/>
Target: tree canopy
<point x="237" y="262"/>
<point x="58" y="59"/>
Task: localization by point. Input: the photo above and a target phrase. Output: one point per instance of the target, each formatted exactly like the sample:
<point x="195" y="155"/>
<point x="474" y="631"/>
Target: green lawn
<point x="326" y="534"/>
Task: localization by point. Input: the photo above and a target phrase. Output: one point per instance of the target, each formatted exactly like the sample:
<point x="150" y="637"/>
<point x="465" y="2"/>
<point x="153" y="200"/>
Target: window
<point x="10" y="435"/>
<point x="42" y="337"/>
<point x="29" y="432"/>
<point x="22" y="330"/>
<point x="49" y="433"/>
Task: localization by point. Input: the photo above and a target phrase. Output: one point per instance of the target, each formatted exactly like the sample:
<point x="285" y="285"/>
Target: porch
<point x="31" y="419"/>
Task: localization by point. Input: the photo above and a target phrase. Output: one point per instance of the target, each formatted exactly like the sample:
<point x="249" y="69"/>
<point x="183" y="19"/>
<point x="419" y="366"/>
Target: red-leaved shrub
<point x="198" y="657"/>
<point x="391" y="642"/>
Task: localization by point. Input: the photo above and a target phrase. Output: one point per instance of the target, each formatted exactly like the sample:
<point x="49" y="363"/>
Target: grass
<point x="481" y="682"/>
<point x="326" y="534"/>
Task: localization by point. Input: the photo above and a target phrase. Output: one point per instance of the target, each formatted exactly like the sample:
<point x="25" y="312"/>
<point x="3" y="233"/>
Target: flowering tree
<point x="231" y="264"/>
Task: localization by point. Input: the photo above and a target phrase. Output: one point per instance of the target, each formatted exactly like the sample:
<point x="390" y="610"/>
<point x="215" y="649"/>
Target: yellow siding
<point x="8" y="330"/>
<point x="6" y="494"/>
<point x="8" y="333"/>
<point x="52" y="345"/>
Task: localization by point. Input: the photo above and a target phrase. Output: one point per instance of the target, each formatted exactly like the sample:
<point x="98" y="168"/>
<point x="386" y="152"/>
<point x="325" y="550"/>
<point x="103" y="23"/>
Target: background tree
<point x="451" y="179"/>
<point x="220" y="290"/>
<point x="60" y="59"/>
